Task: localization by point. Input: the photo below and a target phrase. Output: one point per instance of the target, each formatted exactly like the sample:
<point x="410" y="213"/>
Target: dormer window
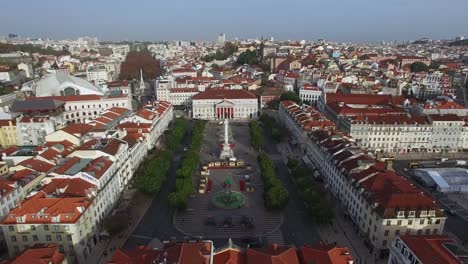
<point x="423" y="213"/>
<point x="412" y="214"/>
<point x="401" y="214"/>
<point x="431" y="213"/>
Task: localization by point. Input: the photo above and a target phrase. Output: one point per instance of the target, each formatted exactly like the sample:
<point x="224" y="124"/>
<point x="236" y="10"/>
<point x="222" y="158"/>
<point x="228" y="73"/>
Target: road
<point x="157" y="222"/>
<point x="296" y="227"/>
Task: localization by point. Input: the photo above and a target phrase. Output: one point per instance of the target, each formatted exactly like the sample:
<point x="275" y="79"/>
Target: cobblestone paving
<point x="192" y="221"/>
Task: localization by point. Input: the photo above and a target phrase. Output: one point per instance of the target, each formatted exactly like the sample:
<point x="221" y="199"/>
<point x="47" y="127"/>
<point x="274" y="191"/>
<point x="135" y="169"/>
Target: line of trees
<point x="153" y="173"/>
<point x="189" y="166"/>
<point x="275" y="195"/>
<point x="136" y="60"/>
<point x="319" y="208"/>
<point x="227" y="51"/>
<point x="276" y="130"/>
<point x="30" y="48"/>
<point x="256" y="138"/>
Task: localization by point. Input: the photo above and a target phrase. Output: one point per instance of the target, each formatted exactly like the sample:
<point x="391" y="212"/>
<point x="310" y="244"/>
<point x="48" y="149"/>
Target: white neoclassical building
<point x="220" y="104"/>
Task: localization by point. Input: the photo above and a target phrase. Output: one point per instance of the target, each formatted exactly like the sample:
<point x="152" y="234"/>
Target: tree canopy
<point x="30" y="48"/>
<point x="419" y="67"/>
<point x="227" y="51"/>
<point x="136" y="60"/>
<point x="275" y="195"/>
<point x="319" y="207"/>
<point x="290" y="96"/>
<point x="184" y="182"/>
<point x="247" y="57"/>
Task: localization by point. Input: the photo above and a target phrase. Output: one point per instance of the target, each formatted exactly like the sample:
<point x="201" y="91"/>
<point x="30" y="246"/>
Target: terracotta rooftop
<point x="431" y="249"/>
<point x="224" y="94"/>
<point x="325" y="254"/>
<point x="38" y="254"/>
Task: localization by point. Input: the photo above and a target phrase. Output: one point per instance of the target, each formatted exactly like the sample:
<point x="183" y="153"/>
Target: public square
<point x="202" y="218"/>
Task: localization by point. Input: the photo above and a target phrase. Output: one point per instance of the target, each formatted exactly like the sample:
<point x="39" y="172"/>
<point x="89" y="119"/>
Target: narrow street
<point x="157" y="222"/>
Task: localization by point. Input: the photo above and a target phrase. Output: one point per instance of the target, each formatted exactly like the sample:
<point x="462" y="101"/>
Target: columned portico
<point x="224" y="110"/>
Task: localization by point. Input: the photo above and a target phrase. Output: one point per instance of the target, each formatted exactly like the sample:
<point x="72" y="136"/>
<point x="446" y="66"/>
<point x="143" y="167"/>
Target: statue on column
<point x="226" y="152"/>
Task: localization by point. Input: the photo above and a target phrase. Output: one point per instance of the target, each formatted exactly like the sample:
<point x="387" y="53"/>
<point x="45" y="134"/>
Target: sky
<point x="338" y="20"/>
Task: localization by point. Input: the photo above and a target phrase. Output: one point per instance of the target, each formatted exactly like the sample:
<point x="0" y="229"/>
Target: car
<point x="252" y="242"/>
<point x="210" y="221"/>
<point x="185" y="149"/>
<point x="227" y="222"/>
<point x="246" y="222"/>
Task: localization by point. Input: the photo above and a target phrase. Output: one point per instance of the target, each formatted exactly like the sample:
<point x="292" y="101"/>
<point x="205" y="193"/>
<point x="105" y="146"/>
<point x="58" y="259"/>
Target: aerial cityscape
<point x="226" y="139"/>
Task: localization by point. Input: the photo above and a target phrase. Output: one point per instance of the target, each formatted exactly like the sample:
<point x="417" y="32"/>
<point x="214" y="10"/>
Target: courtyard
<point x="247" y="218"/>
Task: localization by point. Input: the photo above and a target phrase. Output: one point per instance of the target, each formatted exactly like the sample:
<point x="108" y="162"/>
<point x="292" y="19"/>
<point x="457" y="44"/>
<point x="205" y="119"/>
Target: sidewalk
<point x="343" y="233"/>
<point x="137" y="210"/>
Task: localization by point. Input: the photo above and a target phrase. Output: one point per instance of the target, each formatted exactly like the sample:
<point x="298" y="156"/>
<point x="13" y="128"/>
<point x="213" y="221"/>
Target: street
<point x="158" y="222"/>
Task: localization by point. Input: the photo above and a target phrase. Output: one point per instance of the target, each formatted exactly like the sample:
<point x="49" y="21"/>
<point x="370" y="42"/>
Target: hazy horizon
<point x="338" y="20"/>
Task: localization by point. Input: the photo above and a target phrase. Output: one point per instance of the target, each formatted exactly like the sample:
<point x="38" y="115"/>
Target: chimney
<point x="389" y="164"/>
<point x="274" y="246"/>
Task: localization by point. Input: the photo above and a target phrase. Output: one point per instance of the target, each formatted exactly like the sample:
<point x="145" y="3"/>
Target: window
<point x="399" y="222"/>
<point x="421" y="222"/>
<point x="427" y="231"/>
<point x="25" y="238"/>
<point x="69" y="237"/>
<point x="35" y="238"/>
<point x="48" y="238"/>
<point x="11" y="228"/>
<point x="46" y="227"/>
<point x="437" y="221"/>
<point x="33" y="228"/>
<point x="419" y="232"/>
<point x="59" y="238"/>
<point x="386" y="233"/>
<point x="389" y="222"/>
<point x="13" y="238"/>
<point x="410" y="222"/>
<point x="384" y="243"/>
<point x="397" y="232"/>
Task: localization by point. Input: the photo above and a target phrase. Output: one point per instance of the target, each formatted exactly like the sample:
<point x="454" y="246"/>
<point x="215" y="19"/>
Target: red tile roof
<point x="7" y="122"/>
<point x="188" y="253"/>
<point x="220" y="94"/>
<point x="431" y="249"/>
<point x="273" y="254"/>
<point x="139" y="255"/>
<point x="98" y="167"/>
<point x="365" y="99"/>
<point x="37" y="165"/>
<point x="230" y="256"/>
<point x="325" y="254"/>
<point x="39" y="254"/>
<point x="39" y="209"/>
<point x="68" y="187"/>
<point x="70" y="98"/>
<point x="78" y="129"/>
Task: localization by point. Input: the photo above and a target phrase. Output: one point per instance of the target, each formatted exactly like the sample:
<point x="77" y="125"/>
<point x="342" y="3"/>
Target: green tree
<point x="290" y="96"/>
<point x="419" y="67"/>
<point x="247" y="57"/>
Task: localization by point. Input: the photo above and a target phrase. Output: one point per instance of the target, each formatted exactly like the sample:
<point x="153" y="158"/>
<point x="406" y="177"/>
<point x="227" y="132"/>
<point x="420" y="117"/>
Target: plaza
<point x="203" y="218"/>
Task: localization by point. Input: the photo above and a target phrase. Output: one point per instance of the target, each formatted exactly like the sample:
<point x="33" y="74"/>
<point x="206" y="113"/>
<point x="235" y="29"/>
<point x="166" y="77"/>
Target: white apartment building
<point x="11" y="194"/>
<point x="391" y="133"/>
<point x="380" y="203"/>
<point x="220" y="104"/>
<point x="31" y="131"/>
<point x="447" y="132"/>
<point x="97" y="74"/>
<point x="309" y="93"/>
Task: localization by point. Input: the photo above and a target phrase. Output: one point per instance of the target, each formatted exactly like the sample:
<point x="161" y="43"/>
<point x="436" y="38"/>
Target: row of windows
<point x="35" y="238"/>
